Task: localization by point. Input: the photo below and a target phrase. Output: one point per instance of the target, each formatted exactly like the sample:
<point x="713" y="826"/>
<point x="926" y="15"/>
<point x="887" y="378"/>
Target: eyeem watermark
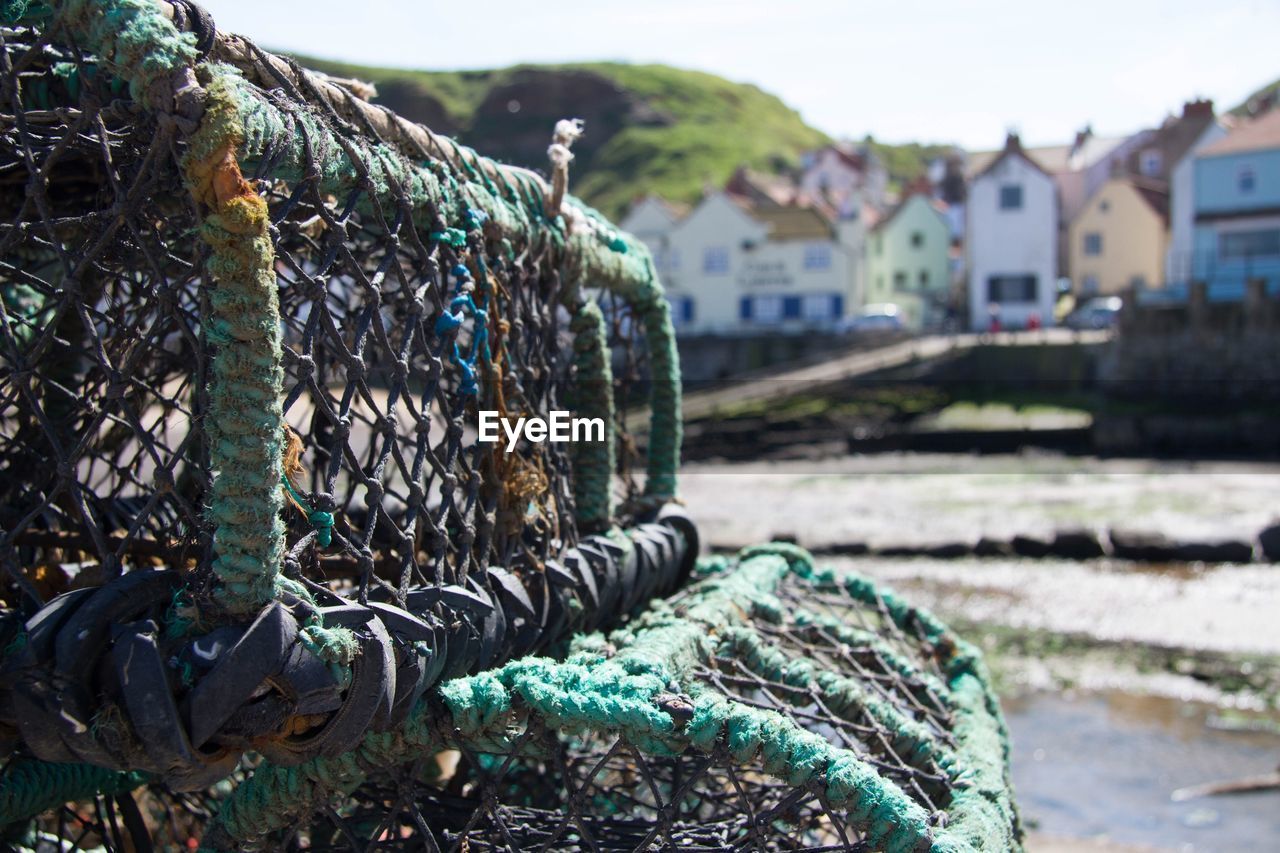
<point x="559" y="427"/>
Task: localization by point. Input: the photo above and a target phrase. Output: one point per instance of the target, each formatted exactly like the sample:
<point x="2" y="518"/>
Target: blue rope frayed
<point x="452" y="319"/>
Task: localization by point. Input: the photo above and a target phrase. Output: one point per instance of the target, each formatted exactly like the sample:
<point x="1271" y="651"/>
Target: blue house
<point x="1237" y="210"/>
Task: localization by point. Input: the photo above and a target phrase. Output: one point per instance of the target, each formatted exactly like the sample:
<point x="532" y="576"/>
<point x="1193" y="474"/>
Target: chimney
<point x="1199" y="108"/>
<point x="919" y="185"/>
<point x="1082" y="137"/>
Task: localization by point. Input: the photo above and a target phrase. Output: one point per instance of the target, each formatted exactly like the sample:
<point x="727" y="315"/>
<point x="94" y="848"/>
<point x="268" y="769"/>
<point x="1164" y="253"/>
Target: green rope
<point x="29" y="787"/>
<point x="245" y="423"/>
<point x="616" y="686"/>
<point x="134" y="38"/>
<point x="592" y="397"/>
<point x="625" y="266"/>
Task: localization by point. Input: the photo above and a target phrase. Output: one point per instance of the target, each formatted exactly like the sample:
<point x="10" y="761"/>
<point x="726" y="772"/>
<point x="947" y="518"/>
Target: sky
<point x="963" y="71"/>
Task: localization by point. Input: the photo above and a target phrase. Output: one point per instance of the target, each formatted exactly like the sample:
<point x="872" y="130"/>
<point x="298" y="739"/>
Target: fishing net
<point x="266" y="585"/>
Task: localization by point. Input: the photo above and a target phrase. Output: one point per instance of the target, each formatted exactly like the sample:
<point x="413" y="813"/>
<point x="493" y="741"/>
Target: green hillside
<point x="1263" y="99"/>
<point x="650" y="128"/>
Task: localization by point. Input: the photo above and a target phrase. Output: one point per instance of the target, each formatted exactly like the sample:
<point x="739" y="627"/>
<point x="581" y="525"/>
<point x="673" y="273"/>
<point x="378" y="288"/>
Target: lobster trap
<point x="266" y="585"/>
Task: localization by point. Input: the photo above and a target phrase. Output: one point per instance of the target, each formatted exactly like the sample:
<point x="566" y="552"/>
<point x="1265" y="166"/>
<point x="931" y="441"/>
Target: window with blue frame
<point x="772" y="309"/>
<point x="817" y="256"/>
<point x="682" y="310"/>
<point x="1011" y="197"/>
<point x="1093" y="243"/>
<point x="715" y="260"/>
<point x="761" y="309"/>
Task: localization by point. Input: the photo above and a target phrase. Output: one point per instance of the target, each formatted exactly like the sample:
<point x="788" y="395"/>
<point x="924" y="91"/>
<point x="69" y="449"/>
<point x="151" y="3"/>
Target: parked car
<point x="882" y="317"/>
<point x="1100" y="312"/>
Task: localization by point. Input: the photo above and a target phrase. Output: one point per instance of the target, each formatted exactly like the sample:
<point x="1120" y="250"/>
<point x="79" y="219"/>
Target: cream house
<point x="736" y="265"/>
<point x="1120" y="237"/>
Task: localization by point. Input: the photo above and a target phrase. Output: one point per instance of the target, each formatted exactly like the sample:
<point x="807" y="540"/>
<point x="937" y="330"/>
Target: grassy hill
<point x="650" y="128"/>
<point x="1267" y="95"/>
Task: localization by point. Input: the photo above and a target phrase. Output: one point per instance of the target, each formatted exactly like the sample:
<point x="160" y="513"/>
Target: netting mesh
<point x="105" y="280"/>
<point x="100" y="334"/>
<point x="264" y="585"/>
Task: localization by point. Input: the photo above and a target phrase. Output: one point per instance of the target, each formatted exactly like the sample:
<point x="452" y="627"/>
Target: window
<point x="879" y="244"/>
<point x="791" y="307"/>
<point x="1239" y="245"/>
<point x="1104" y="205"/>
<point x="899" y="280"/>
<point x="1011" y="288"/>
<point x="682" y="310"/>
<point x="762" y="309"/>
<point x="822" y="306"/>
<point x="1247" y="180"/>
<point x="1150" y="162"/>
<point x="1093" y="243"/>
<point x="817" y="256"/>
<point x="917" y="239"/>
<point x="924" y="278"/>
<point x="1090" y="286"/>
<point x="673" y="260"/>
<point x="715" y="260"/>
<point x="1011" y="197"/>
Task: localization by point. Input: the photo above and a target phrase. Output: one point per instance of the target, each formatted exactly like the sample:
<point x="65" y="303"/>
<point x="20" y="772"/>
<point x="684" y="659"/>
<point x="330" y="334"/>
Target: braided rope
<point x="28" y="787"/>
<point x="245" y="425"/>
<point x="593" y="461"/>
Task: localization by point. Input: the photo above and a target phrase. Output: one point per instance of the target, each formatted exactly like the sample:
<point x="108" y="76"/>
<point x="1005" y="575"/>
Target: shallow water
<point x="1104" y="766"/>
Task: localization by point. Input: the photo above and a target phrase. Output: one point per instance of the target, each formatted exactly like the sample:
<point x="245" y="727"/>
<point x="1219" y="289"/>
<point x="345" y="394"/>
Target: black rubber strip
<point x="261" y="652"/>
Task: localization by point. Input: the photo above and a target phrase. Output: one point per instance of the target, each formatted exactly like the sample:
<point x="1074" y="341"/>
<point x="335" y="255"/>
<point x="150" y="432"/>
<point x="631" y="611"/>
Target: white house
<point x="1078" y="169"/>
<point x="1012" y="241"/>
<point x="844" y="177"/>
<point x="731" y="266"/>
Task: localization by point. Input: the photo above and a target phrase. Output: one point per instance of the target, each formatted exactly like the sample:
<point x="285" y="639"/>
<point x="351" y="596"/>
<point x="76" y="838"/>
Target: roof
<point x="1261" y="134"/>
<point x="1052" y="159"/>
<point x="794" y="223"/>
<point x="673" y="209"/>
<point x="759" y="189"/>
<point x="852" y="159"/>
<point x="1175" y="137"/>
<point x="678" y="209"/>
<point x="938" y="206"/>
<point x="1012" y="148"/>
<point x="1154" y="193"/>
